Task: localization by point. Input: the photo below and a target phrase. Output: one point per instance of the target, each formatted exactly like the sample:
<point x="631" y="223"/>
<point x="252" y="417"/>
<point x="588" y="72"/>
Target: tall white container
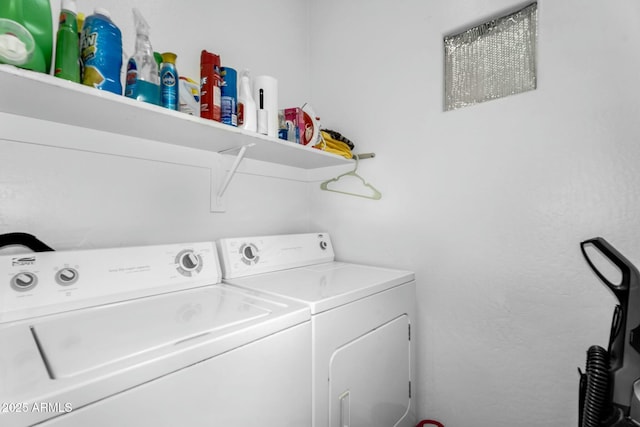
<point x="265" y="93"/>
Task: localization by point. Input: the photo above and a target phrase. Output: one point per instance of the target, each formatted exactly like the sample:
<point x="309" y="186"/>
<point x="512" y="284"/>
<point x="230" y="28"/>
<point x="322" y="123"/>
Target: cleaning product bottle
<point x="169" y="82"/>
<point x="189" y="96"/>
<point x="158" y="57"/>
<point x="229" y="96"/>
<point x="210" y="82"/>
<point x="67" y="46"/>
<point x="35" y="17"/>
<point x="80" y="20"/>
<point x="101" y="52"/>
<point x="265" y="92"/>
<point x="143" y="81"/>
<point x="38" y="20"/>
<point x="247" y="109"/>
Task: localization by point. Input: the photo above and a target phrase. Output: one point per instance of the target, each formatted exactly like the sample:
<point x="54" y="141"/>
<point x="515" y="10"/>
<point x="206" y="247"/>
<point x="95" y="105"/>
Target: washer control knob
<point x="25" y="281"/>
<point x="249" y="253"/>
<point x="189" y="261"/>
<point x="323" y="245"/>
<point x="67" y="276"/>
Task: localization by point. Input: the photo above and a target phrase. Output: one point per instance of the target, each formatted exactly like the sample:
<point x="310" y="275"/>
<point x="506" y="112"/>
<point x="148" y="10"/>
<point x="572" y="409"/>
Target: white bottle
<point x="247" y="110"/>
<point x="265" y="92"/>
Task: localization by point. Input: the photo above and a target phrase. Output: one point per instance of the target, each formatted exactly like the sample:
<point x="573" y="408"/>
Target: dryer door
<point x="369" y="378"/>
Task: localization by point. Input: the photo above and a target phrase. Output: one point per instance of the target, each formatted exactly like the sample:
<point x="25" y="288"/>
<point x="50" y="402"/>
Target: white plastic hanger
<point x="376" y="195"/>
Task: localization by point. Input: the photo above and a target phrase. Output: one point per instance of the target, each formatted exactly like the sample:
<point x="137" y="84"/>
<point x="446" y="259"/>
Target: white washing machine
<point x="361" y="324"/>
<point x="146" y="336"/>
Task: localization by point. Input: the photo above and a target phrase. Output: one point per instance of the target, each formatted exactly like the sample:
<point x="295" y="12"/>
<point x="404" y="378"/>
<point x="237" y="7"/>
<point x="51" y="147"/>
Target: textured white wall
<point x="72" y="198"/>
<point x="487" y="204"/>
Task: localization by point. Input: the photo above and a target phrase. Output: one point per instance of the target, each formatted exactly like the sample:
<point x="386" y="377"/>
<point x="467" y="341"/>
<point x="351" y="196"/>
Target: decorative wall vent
<point x="492" y="60"/>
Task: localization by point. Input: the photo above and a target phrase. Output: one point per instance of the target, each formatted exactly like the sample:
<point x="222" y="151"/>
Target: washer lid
<point x="325" y="286"/>
<point x="85" y="340"/>
<point x="83" y="356"/>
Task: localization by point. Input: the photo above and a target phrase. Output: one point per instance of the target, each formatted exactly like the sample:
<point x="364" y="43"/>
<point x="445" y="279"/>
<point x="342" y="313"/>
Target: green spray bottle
<point x="67" y="64"/>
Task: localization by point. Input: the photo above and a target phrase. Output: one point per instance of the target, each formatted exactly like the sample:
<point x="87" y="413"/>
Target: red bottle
<point x="210" y="82"/>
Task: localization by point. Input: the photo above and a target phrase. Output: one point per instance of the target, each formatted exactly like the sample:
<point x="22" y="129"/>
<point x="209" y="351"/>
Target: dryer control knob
<point x="189" y="261"/>
<point x="24" y="281"/>
<point x="249" y="253"/>
<point x="67" y="276"/>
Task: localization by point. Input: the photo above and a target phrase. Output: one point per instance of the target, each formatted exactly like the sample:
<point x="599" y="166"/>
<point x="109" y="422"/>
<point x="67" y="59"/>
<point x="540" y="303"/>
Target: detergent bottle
<point x="101" y="52"/>
<point x="35" y="16"/>
<point x="143" y="80"/>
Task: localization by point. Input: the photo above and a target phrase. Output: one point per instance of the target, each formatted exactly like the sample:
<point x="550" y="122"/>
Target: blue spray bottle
<point x="143" y="81"/>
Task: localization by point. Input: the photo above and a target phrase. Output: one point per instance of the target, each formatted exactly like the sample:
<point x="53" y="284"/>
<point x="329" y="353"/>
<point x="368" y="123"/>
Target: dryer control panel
<point x="246" y="256"/>
<point x="35" y="284"/>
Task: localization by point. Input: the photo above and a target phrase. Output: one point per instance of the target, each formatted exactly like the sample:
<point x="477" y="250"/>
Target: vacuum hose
<point x="597" y="392"/>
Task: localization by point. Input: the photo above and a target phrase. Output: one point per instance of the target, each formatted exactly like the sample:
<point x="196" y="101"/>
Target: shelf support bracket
<point x="223" y="188"/>
<point x="234" y="168"/>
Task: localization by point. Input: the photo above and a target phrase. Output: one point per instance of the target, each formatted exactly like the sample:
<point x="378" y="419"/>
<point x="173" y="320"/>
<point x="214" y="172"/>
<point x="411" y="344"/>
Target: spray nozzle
<point x="142" y="28"/>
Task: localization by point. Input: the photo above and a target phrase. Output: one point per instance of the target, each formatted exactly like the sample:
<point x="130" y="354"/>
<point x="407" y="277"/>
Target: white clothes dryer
<point x="146" y="336"/>
<point x="361" y="317"/>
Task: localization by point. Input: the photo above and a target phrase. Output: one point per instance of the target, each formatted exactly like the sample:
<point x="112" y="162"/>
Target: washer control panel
<point x="42" y="283"/>
<point x="245" y="256"/>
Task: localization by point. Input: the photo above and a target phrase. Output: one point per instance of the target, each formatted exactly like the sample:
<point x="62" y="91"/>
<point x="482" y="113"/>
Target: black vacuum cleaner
<point x="610" y="385"/>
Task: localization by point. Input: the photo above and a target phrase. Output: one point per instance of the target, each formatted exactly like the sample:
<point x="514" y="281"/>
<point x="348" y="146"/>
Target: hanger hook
<point x="355" y="156"/>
